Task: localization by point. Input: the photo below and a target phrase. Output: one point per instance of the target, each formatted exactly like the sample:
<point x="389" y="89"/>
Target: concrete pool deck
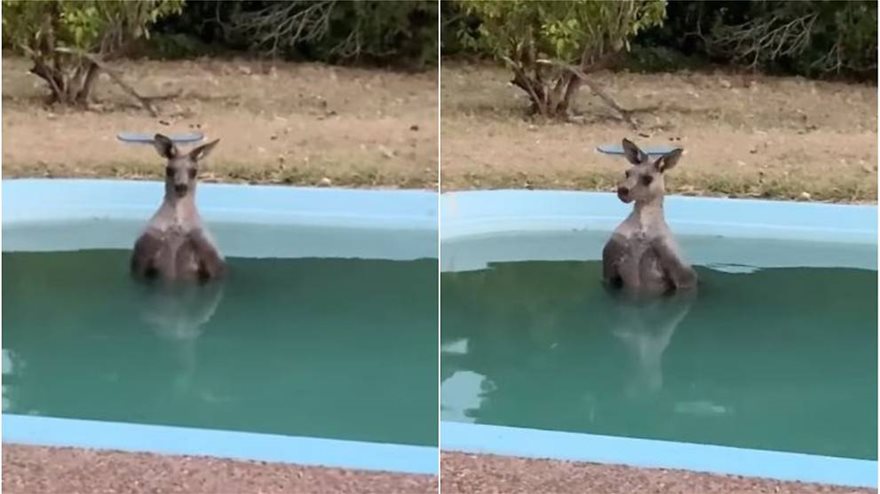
<point x="49" y="470"/>
<point x="486" y="474"/>
<point x="31" y="469"/>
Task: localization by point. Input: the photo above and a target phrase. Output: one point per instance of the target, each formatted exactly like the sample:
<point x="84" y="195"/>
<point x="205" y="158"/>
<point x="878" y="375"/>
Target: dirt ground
<point x="294" y="124"/>
<point x="484" y="474"/>
<point x="743" y="135"/>
<point x="310" y="124"/>
<point x="40" y="470"/>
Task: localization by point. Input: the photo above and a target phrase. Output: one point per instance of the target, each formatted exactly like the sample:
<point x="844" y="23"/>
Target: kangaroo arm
<point x="682" y="275"/>
<point x="611" y="255"/>
<point x="211" y="265"/>
<point x="143" y="258"/>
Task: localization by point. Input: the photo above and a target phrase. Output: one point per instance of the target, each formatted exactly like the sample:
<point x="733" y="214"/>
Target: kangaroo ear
<point x="632" y="152"/>
<point x="203" y="151"/>
<point x="165" y="146"/>
<point x="668" y="160"/>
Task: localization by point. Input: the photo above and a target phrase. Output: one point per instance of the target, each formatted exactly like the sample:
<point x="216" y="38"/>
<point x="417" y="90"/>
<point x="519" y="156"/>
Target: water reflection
<point x="645" y="328"/>
<point x="312" y="347"/>
<point x="762" y="359"/>
<point x="178" y="314"/>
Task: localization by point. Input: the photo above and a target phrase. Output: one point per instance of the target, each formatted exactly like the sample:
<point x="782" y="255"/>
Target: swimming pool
<point x="770" y="371"/>
<point x="287" y="360"/>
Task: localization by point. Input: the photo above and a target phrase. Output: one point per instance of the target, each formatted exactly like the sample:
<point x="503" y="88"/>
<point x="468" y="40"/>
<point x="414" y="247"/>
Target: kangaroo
<point x="642" y="256"/>
<point x="175" y="245"/>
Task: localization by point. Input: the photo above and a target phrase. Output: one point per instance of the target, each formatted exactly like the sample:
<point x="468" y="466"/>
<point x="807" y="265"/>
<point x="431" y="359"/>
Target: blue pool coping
<point x="35" y="200"/>
<point x="649" y="453"/>
<point x="487" y="212"/>
<point x="250" y="221"/>
<point x="247" y="446"/>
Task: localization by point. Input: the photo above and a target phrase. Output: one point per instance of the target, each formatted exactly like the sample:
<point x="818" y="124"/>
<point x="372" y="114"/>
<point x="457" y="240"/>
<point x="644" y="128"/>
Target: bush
<point x="380" y="32"/>
<point x="65" y="38"/>
<point x="458" y="30"/>
<point x="549" y="46"/>
<point x="814" y="38"/>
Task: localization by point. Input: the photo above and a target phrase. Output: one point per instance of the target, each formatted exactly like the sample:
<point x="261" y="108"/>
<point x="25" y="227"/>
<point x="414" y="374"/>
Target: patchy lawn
<point x="743" y="135"/>
<point x="307" y="124"/>
<point x="292" y="124"/>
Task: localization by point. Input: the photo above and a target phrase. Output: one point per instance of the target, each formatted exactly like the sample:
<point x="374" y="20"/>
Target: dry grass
<point x="293" y="124"/>
<point x="744" y="135"/>
<point x="750" y="136"/>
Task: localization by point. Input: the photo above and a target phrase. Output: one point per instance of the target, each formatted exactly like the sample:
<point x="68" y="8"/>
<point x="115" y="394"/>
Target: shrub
<point x="812" y="37"/>
<point x="380" y="32"/>
<point x="551" y="46"/>
<point x="63" y="38"/>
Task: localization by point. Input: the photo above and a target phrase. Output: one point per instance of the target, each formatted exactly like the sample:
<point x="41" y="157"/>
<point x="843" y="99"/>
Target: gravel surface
<point x="484" y="474"/>
<point x="40" y="470"/>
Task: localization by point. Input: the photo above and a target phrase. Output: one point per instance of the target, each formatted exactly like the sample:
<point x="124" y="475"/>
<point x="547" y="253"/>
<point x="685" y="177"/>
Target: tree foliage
<point x="551" y="45"/>
<point x="391" y="32"/>
<point x="63" y="38"/>
<point x="344" y="31"/>
<point x="812" y="37"/>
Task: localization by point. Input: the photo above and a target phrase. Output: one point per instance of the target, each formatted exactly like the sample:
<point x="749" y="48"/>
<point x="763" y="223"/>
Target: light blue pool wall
<point x="246" y="221"/>
<point x="480" y="227"/>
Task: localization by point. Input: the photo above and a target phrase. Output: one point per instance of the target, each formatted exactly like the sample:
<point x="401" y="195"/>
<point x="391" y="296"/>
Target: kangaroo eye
<point x="646" y="180"/>
<point x="192" y="172"/>
<point x="169" y="172"/>
<point x="629" y="173"/>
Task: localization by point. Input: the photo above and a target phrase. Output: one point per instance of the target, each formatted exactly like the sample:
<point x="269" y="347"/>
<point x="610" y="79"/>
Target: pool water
<point x="778" y="359"/>
<point x="331" y="348"/>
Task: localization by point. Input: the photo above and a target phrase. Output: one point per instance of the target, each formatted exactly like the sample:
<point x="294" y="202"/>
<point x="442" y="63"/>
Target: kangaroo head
<point x="182" y="170"/>
<point x="643" y="182"/>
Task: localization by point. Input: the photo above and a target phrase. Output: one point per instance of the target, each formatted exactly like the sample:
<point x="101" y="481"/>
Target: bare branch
<point x="625" y="115"/>
<point x="287" y="23"/>
<point x="115" y="75"/>
<point x="766" y="38"/>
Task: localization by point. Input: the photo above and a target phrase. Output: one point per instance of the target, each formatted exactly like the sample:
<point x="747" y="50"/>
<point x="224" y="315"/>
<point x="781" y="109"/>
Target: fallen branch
<point x="625" y="115"/>
<point x="115" y="75"/>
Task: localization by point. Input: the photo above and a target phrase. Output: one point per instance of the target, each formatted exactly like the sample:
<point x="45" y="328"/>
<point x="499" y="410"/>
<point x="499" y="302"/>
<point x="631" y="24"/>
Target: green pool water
<point x="773" y="359"/>
<point x="332" y="348"/>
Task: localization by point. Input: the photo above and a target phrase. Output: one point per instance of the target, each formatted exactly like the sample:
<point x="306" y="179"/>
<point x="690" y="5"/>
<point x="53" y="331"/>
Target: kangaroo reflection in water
<point x="645" y="327"/>
<point x="178" y="313"/>
<point x="528" y="319"/>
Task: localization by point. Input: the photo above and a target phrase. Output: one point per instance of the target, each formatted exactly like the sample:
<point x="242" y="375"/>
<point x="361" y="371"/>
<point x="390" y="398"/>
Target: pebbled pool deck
<point x="485" y="474"/>
<point x="45" y="470"/>
<point x="35" y="469"/>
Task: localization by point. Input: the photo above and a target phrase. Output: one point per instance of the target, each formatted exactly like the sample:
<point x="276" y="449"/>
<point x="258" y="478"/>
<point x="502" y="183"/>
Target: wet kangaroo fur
<point x="642" y="257"/>
<point x="175" y="244"/>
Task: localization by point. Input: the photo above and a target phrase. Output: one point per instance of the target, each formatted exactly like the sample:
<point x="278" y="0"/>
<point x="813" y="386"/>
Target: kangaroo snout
<point x="623" y="194"/>
<point x="181" y="189"/>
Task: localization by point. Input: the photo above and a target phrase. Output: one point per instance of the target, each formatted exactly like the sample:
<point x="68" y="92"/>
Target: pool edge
<point x="248" y="446"/>
<point x="649" y="453"/>
<point x="485" y="212"/>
